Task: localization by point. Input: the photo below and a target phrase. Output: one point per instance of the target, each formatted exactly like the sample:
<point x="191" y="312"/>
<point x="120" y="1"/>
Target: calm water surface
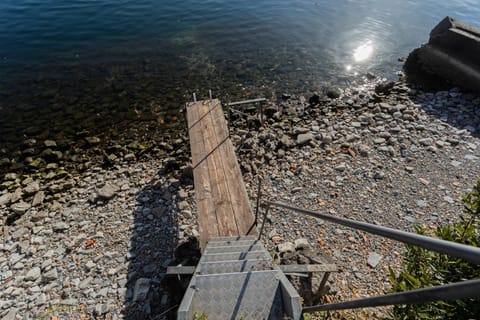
<point x="73" y="65"/>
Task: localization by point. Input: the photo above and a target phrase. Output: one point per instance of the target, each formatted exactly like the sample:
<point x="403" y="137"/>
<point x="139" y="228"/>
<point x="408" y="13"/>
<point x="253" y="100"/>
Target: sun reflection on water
<point x="363" y="52"/>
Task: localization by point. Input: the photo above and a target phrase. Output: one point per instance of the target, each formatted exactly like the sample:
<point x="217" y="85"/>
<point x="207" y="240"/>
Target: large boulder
<point x="451" y="56"/>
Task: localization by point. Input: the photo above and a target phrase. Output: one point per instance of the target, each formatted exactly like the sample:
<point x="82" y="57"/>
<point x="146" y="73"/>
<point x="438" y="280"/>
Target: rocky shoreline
<point x="95" y="243"/>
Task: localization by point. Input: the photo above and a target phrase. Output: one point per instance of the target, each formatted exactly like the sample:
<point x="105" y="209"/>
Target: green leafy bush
<point x="422" y="268"/>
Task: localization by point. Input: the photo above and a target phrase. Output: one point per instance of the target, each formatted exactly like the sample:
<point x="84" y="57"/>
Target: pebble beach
<point x="95" y="243"/>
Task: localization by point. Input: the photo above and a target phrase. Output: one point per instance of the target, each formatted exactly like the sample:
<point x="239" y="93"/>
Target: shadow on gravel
<point x="460" y="110"/>
<point x="153" y="247"/>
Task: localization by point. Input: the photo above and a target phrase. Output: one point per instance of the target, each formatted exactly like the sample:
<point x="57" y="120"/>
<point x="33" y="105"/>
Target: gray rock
<point x="455" y="163"/>
<point x="286" y="247"/>
<point x="182" y="195"/>
<point x="379" y="140"/>
<point x="17" y="195"/>
<point x="49" y="143"/>
<point x="182" y="205"/>
<point x="426" y="142"/>
<point x="38" y="198"/>
<point x="93" y="140"/>
<point x="41" y="300"/>
<point x="101" y="309"/>
<point x="304" y="138"/>
<point x="327" y="139"/>
<point x="108" y="191"/>
<point x="129" y="157"/>
<point x="301" y="243"/>
<point x="286" y="141"/>
<point x="374" y="259"/>
<point x="140" y="291"/>
<point x="448" y="199"/>
<point x="32" y="188"/>
<point x="85" y="283"/>
<point x="39" y="216"/>
<point x="50" y="275"/>
<point x="333" y="93"/>
<point x="33" y="274"/>
<point x="69" y="302"/>
<point x="60" y="226"/>
<point x="20" y="207"/>
<point x="11" y="315"/>
<point x="341" y="167"/>
<point x="5" y="199"/>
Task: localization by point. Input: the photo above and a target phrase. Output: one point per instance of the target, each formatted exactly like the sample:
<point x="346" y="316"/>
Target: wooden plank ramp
<point x="222" y="201"/>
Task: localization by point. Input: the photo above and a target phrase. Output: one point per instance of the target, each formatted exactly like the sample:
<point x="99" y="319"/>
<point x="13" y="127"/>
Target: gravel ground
<point x="397" y="160"/>
<point x="96" y="244"/>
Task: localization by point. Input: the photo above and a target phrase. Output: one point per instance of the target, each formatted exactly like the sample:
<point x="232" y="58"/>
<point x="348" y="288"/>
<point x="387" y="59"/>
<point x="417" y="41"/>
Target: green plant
<point x="423" y="268"/>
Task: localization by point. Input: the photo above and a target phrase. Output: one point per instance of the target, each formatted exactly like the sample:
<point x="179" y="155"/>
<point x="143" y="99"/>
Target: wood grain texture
<point x="222" y="200"/>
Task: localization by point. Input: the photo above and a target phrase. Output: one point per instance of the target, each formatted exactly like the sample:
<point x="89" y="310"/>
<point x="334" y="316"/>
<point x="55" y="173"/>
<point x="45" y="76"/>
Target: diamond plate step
<point x="219" y="239"/>
<point x="232" y="243"/>
<point x="249" y="255"/>
<point x="243" y="248"/>
<point x="233" y="266"/>
<point x="251" y="295"/>
<point x="235" y="279"/>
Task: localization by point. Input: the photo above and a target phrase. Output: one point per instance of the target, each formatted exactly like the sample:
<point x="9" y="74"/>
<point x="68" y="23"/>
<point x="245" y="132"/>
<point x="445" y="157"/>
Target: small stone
<point x="41" y="300"/>
<point x="182" y="205"/>
<point x="142" y="286"/>
<point x="20" y="207"/>
<point x="305" y="138"/>
<point x="129" y="157"/>
<point x="60" y="226"/>
<point x="333" y="93"/>
<point x="38" y="198"/>
<point x="424" y="181"/>
<point x="101" y="309"/>
<point x="426" y="142"/>
<point x="301" y="243"/>
<point x="286" y="247"/>
<point x="93" y="140"/>
<point x="379" y="175"/>
<point x="33" y="274"/>
<point x="379" y="140"/>
<point x="448" y="199"/>
<point x="5" y="199"/>
<point x="11" y="315"/>
<point x="341" y="167"/>
<point x="17" y="195"/>
<point x="85" y="283"/>
<point x="49" y="143"/>
<point x="39" y="216"/>
<point x="90" y="265"/>
<point x="108" y="191"/>
<point x="374" y="259"/>
<point x="182" y="194"/>
<point x="286" y="141"/>
<point x="455" y="163"/>
<point x="421" y="203"/>
<point x="409" y="169"/>
<point x="50" y="275"/>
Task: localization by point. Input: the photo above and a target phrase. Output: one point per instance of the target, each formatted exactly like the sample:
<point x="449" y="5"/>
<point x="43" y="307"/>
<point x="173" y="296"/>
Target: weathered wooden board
<point x="222" y="201"/>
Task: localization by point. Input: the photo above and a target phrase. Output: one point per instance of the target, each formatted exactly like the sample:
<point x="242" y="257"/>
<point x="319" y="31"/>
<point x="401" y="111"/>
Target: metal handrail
<point x="466" y="252"/>
<point x="453" y="291"/>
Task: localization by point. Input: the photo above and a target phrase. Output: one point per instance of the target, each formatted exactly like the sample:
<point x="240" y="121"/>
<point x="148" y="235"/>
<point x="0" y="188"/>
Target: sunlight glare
<point x="363" y="52"/>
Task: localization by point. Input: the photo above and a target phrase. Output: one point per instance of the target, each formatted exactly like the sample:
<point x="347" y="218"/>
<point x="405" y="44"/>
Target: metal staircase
<point x="236" y="279"/>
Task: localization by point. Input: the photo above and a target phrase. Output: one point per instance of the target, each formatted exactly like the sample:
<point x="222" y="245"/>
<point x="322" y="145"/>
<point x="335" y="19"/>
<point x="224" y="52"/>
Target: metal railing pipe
<point x="468" y="253"/>
<point x="458" y="290"/>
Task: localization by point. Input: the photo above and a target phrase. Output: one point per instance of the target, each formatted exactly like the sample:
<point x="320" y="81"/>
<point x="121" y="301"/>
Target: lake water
<point x="73" y="65"/>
